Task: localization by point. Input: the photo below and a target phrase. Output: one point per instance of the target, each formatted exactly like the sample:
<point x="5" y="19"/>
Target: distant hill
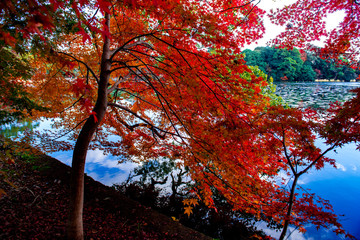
<point x="293" y="65"/>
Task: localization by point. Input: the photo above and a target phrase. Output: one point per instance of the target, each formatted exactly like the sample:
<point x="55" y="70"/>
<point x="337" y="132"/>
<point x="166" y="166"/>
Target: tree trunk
<point x="75" y="221"/>
<point x="291" y="203"/>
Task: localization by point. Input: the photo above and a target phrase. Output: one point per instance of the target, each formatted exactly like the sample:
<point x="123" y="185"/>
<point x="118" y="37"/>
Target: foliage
<point x="293" y="133"/>
<point x="28" y="29"/>
<point x="15" y="102"/>
<point x="292" y="65"/>
<point x="305" y="22"/>
<point x="342" y="126"/>
<point x="169" y="80"/>
<point x="189" y="204"/>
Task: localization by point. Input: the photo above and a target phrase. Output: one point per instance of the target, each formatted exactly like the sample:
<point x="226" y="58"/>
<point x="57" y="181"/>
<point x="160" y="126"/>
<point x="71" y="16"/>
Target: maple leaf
<point x="191" y="202"/>
<point x="188" y="210"/>
<point x="79" y="86"/>
<point x="10" y="40"/>
<point x="94" y="116"/>
<point x="186" y="202"/>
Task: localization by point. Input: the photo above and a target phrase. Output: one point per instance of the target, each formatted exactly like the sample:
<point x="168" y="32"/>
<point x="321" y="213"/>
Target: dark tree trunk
<point x="75" y="221"/>
<point x="291" y="203"/>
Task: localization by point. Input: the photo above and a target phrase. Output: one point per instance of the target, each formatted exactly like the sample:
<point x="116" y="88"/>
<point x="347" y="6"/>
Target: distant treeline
<point x="291" y="65"/>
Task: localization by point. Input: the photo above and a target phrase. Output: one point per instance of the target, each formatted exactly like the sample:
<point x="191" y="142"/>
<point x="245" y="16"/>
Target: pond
<point x="315" y="94"/>
<point x="341" y="186"/>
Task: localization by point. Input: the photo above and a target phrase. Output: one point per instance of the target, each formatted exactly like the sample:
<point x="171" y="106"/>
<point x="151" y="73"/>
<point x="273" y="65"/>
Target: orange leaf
<point x="188" y="210"/>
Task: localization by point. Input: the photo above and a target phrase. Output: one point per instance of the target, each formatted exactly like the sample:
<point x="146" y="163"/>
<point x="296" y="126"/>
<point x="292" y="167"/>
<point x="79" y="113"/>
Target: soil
<point x="34" y="192"/>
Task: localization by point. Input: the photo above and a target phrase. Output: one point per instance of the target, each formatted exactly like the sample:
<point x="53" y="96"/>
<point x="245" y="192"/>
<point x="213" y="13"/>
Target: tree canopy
<point x="292" y="65"/>
<point x="169" y="80"/>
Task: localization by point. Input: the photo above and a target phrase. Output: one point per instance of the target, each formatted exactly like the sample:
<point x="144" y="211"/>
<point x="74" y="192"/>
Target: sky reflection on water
<point x="340" y="186"/>
<point x="102" y="168"/>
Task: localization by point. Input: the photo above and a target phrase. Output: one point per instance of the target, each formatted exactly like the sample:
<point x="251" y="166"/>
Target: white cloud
<point x="110" y="179"/>
<point x="96" y="159"/>
<point x="302" y="181"/>
<point x="95" y="156"/>
<point x="340" y="167"/>
<point x="94" y="175"/>
<point x="108" y="161"/>
<point x="295" y="234"/>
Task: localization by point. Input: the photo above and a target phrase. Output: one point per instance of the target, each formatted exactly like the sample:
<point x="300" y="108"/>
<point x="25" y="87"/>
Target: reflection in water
<point x="340" y="186"/>
<point x="14" y="129"/>
<point x="101" y="167"/>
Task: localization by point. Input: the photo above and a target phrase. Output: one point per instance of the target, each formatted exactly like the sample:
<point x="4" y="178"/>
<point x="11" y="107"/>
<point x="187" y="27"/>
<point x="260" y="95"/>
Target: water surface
<point x="340" y="186"/>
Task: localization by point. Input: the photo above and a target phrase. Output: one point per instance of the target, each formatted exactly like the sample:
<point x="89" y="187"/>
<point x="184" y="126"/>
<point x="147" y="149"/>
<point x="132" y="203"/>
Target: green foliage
<point x="15" y="102"/>
<point x="291" y="65"/>
<point x="306" y="73"/>
<point x="331" y="69"/>
<point x="270" y="89"/>
<point x="280" y="64"/>
<point x="256" y="58"/>
<point x="286" y="64"/>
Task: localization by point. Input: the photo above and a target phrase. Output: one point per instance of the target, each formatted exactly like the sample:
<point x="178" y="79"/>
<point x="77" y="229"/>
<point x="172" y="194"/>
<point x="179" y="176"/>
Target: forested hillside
<point x="293" y="65"/>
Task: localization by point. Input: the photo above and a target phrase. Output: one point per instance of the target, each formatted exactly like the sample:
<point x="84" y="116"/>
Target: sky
<point x="272" y="30"/>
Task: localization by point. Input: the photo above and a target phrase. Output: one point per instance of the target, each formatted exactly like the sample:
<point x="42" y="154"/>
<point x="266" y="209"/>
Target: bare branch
<point x="148" y="124"/>
<point x="134" y="95"/>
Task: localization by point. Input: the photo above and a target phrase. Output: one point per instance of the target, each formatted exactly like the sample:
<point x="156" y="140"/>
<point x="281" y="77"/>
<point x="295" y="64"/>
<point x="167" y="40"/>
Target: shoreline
<point x="333" y="80"/>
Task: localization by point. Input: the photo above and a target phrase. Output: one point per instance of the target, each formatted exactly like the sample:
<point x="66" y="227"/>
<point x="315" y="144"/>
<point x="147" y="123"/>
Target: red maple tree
<point x="169" y="80"/>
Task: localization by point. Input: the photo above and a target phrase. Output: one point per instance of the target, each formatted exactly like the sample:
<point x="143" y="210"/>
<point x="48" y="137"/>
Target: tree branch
<point x="79" y="61"/>
<point x="148" y="124"/>
<point x="116" y="84"/>
<point x="132" y="94"/>
<point x="124" y="46"/>
<point x="236" y="7"/>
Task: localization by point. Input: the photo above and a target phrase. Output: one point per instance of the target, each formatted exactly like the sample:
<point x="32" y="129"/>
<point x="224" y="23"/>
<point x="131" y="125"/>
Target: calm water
<point x="315" y="95"/>
<point x="341" y="186"/>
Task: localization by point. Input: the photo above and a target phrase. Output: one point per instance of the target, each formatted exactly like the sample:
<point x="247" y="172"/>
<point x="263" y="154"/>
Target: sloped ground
<point x="34" y="197"/>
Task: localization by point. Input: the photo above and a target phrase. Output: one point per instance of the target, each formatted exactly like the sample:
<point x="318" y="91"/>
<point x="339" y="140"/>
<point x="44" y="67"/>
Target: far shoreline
<point x="333" y="80"/>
